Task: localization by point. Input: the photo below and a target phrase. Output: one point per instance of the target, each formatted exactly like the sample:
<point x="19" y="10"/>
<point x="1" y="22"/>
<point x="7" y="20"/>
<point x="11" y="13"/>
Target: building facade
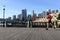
<point x="40" y="15"/>
<point x="24" y="14"/>
<point x="14" y="17"/>
<point x="29" y="17"/>
<point x="20" y="17"/>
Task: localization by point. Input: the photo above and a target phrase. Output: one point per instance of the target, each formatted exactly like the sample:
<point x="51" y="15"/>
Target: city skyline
<point x="14" y="7"/>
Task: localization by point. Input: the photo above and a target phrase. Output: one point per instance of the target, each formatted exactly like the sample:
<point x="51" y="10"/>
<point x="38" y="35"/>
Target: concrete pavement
<point x="29" y="34"/>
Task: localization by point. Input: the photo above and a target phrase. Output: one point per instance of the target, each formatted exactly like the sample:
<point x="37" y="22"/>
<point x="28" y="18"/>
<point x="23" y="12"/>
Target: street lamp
<point x="4" y="21"/>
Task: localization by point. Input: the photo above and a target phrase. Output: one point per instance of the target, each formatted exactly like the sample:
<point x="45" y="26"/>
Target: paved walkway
<point x="29" y="34"/>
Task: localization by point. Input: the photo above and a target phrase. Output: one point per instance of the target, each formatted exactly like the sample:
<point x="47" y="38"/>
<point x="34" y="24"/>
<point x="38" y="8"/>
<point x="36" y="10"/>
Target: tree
<point x="58" y="17"/>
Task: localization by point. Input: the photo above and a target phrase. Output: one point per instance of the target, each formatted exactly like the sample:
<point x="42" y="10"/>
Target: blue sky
<point x="14" y="7"/>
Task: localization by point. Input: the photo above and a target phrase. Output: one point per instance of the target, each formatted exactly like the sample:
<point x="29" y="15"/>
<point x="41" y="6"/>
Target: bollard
<point x="54" y="24"/>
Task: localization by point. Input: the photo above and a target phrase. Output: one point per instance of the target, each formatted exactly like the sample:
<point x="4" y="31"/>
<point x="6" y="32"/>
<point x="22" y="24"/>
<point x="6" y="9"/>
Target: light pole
<point x="4" y="20"/>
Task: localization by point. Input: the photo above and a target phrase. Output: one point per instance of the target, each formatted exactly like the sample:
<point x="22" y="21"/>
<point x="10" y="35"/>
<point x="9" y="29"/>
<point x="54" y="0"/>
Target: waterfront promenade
<point x="29" y="34"/>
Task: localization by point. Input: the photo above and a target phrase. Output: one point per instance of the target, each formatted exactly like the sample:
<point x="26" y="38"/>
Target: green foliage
<point x="58" y="17"/>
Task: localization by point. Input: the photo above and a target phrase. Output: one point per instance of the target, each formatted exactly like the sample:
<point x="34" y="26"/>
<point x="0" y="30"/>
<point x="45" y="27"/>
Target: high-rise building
<point x="24" y="14"/>
<point x="14" y="17"/>
<point x="20" y="16"/>
<point x="49" y="11"/>
<point x="8" y="19"/>
<point x="40" y="15"/>
<point x="34" y="15"/>
<point x="53" y="11"/>
<point x="29" y="17"/>
<point x="44" y="14"/>
<point x="57" y="11"/>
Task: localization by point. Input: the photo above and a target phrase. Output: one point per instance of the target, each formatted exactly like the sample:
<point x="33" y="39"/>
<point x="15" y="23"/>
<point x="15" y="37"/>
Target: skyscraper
<point x="40" y="15"/>
<point x="44" y="14"/>
<point x="20" y="16"/>
<point x="24" y="14"/>
<point x="14" y="17"/>
<point x="8" y="19"/>
<point x="53" y="11"/>
<point x="29" y="17"/>
<point x="57" y="11"/>
<point x="34" y="15"/>
<point x="49" y="10"/>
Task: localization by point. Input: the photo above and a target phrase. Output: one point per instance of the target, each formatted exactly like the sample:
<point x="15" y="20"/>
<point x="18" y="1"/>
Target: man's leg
<point x="54" y="24"/>
<point x="51" y="24"/>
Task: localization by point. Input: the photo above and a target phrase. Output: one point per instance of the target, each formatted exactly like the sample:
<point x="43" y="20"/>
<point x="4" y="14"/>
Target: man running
<point x="49" y="17"/>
